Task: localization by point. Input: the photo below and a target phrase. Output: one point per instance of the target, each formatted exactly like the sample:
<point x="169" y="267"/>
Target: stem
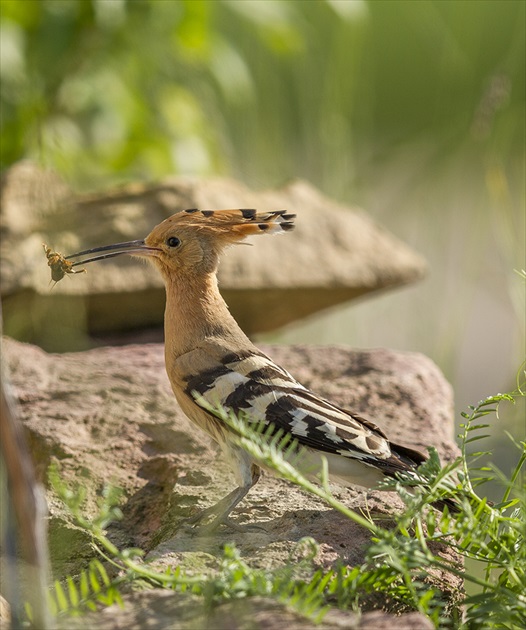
<point x="514" y="477"/>
<point x="140" y="569"/>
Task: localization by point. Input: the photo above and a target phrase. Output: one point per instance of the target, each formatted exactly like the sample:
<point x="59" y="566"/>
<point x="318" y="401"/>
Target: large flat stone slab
<point x="335" y="254"/>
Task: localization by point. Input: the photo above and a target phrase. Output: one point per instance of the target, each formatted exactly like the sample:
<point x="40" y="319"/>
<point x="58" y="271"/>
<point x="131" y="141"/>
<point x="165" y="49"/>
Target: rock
<point x="378" y="620"/>
<point x="108" y="416"/>
<point x="165" y="610"/>
<point x="335" y="254"/>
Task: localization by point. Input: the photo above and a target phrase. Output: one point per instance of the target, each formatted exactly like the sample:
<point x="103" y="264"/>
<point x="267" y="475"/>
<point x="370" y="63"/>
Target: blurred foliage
<point x="121" y="89"/>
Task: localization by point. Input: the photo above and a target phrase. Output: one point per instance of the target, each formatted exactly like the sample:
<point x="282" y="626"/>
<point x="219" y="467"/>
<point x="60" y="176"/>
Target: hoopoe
<point x="211" y="362"/>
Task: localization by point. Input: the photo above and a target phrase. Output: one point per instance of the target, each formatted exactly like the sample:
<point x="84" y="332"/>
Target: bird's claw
<point x="193" y="525"/>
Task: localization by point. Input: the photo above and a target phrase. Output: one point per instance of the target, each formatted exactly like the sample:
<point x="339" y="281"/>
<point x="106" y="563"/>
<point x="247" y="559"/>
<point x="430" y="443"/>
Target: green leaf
<point x="84" y="585"/>
<point x="72" y="592"/>
<point x="102" y="572"/>
<point x="60" y="597"/>
<point x="95" y="586"/>
<point x="477" y="437"/>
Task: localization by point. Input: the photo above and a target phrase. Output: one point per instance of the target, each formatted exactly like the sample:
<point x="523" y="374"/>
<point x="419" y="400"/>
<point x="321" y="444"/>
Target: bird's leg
<point x="222" y="509"/>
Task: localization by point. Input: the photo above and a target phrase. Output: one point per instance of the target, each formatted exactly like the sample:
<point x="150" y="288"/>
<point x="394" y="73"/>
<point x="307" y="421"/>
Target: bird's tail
<point x="410" y="460"/>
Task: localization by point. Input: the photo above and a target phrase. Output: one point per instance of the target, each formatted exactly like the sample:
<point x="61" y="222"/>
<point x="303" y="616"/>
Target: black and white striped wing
<point x="254" y="384"/>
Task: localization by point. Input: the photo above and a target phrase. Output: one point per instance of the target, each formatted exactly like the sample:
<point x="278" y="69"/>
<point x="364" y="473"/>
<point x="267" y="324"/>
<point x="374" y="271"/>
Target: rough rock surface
<point x="108" y="416"/>
<point x="335" y="254"/>
<point x="164" y="610"/>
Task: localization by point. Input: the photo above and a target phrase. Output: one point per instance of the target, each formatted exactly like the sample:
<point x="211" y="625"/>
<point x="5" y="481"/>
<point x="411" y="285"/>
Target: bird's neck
<point x="195" y="311"/>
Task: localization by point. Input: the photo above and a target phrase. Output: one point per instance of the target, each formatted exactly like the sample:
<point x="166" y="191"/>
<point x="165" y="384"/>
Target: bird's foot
<point x="197" y="526"/>
<point x="220" y="513"/>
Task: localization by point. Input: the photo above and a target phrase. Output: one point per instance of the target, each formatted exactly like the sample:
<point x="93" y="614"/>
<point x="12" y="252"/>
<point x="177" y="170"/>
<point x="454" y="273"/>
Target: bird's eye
<point x="173" y="241"/>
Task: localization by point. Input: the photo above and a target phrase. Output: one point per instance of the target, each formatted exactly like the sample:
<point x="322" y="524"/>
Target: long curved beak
<point x="135" y="248"/>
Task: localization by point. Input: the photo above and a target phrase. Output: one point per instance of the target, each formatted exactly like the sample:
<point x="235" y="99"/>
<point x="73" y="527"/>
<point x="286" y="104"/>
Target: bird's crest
<point x="232" y="225"/>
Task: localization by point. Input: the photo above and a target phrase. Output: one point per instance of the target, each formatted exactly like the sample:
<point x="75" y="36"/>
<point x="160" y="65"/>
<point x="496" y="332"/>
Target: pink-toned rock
<point x="108" y="416"/>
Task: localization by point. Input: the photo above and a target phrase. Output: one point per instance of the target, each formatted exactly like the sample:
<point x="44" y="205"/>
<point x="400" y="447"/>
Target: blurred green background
<point x="412" y="109"/>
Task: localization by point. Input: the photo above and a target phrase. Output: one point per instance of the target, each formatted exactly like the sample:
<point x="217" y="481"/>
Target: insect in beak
<point x="62" y="265"/>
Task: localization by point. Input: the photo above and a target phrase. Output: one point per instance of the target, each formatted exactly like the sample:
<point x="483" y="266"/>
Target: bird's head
<point x="192" y="240"/>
